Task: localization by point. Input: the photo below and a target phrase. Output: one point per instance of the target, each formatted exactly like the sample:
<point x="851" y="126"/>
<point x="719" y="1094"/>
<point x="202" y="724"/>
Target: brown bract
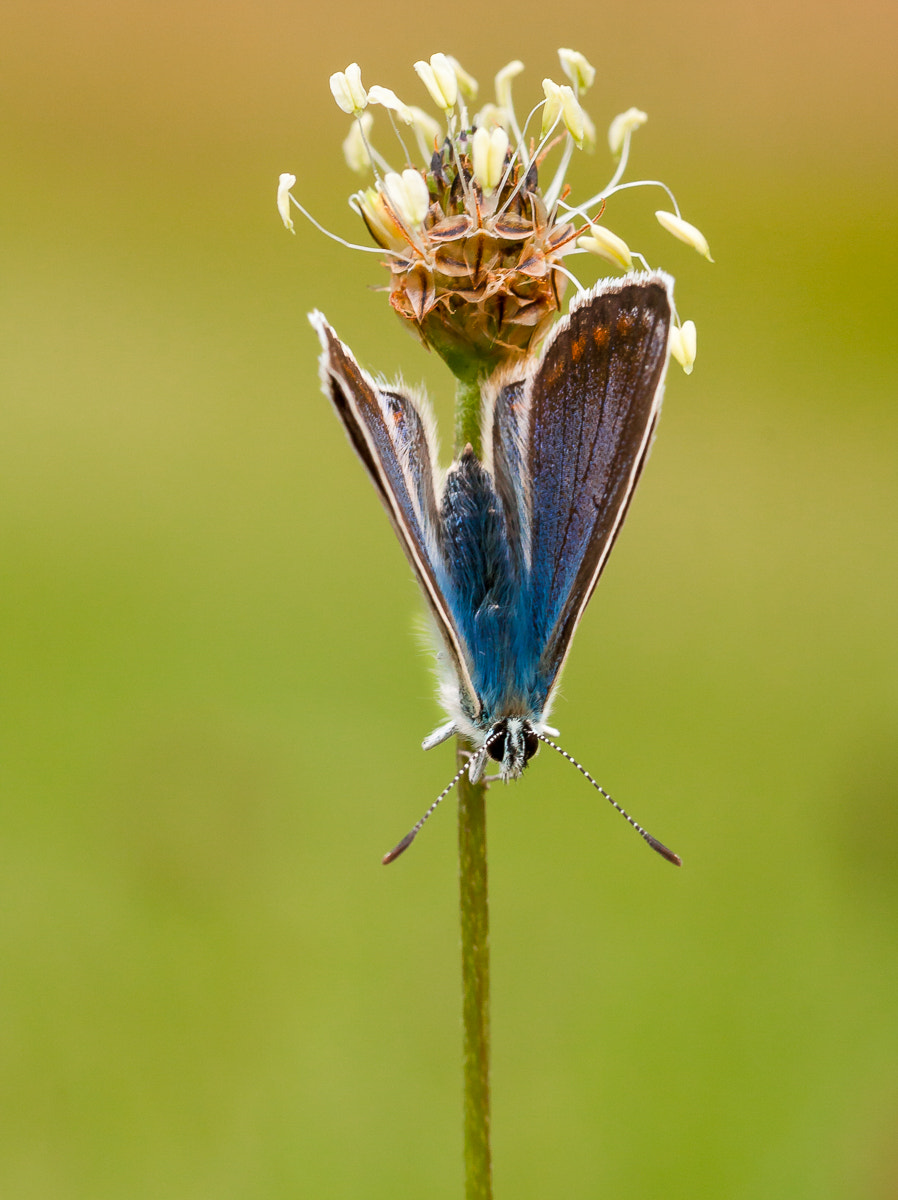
<point x="477" y="280"/>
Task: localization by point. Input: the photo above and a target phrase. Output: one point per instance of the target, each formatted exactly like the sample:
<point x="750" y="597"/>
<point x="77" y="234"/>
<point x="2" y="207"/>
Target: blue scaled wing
<point x="591" y="406"/>
<point x="394" y="441"/>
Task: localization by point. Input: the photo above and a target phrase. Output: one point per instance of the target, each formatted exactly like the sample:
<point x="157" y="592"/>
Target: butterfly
<point x="509" y="544"/>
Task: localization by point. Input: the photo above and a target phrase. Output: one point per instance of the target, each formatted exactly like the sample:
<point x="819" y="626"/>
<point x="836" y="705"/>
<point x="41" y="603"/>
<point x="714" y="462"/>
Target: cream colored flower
<point x="476" y="239"/>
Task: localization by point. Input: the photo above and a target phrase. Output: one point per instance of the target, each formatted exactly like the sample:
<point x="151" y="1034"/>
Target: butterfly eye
<point x="496" y="748"/>
<point x="531" y="744"/>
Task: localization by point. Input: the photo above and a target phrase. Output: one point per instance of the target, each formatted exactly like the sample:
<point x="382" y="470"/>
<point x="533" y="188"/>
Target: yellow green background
<point x="212" y="697"/>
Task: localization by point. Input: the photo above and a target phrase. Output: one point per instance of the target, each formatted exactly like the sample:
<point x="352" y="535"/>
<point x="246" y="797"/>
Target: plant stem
<point x="467" y="418"/>
<point x="473" y="898"/>
<point x="475" y="968"/>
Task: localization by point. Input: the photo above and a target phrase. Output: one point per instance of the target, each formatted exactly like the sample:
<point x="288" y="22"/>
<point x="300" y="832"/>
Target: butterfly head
<point x="512" y="742"/>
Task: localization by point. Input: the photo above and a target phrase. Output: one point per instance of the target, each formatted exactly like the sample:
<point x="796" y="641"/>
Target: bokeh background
<point x="212" y="694"/>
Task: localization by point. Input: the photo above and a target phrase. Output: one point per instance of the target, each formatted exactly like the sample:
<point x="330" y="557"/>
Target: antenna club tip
<point x="397" y="850"/>
<point x="663" y="850"/>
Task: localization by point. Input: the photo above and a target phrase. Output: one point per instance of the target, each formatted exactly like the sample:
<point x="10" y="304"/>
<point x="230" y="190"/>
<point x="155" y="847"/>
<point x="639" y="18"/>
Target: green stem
<point x="475" y="969"/>
<point x="467" y="418"/>
<point x="473" y="898"/>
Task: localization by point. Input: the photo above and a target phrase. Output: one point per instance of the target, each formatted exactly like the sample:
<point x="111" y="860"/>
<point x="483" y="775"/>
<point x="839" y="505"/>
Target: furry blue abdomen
<point x="487" y="588"/>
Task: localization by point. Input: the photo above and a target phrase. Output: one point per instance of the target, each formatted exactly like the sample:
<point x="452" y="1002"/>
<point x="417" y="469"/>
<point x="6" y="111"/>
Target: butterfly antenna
<point x="413" y="833"/>
<point x="652" y="841"/>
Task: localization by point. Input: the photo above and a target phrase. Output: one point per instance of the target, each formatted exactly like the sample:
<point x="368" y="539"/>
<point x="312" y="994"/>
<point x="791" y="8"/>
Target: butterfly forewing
<point x="593" y="402"/>
<point x="390" y="436"/>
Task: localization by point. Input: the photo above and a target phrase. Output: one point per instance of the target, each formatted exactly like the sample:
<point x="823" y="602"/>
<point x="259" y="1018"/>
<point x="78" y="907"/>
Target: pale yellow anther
<point x="439" y="77"/>
<point x="553" y="105"/>
<point x="388" y="99"/>
<point x="468" y="84"/>
<point x="424" y="124"/>
<point x="380" y="219"/>
<point x="561" y="102"/>
<point x="578" y="69"/>
<point x="573" y="115"/>
<point x="285" y="183"/>
<point x="355" y="148"/>
<point x="682" y="345"/>
<point x="488" y="150"/>
<point x="347" y="89"/>
<point x="605" y="244"/>
<point x="492" y="116"/>
<point x="408" y="195"/>
<point x="622" y="126"/>
<point x="417" y="195"/>
<point x="685" y="232"/>
<point x="503" y="82"/>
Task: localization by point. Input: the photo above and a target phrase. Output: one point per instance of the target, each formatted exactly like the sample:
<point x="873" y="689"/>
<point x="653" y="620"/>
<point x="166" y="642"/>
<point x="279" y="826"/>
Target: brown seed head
<point x="477" y="280"/>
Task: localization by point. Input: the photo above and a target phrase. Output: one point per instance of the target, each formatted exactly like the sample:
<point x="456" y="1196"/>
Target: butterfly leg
<point x="440" y="735"/>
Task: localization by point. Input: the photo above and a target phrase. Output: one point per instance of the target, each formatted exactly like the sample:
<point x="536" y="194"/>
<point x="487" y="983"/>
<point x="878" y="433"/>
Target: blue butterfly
<point x="508" y="547"/>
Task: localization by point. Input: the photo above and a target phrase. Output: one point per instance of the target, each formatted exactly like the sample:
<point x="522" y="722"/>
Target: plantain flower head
<point x="477" y="233"/>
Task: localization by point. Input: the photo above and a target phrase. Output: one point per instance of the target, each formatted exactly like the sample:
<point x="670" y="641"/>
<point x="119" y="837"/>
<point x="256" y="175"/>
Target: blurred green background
<point x="213" y="699"/>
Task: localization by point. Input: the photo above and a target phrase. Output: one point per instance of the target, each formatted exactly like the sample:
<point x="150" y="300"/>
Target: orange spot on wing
<point x="600" y="336"/>
<point x="578" y="345"/>
<point x="555" y="373"/>
<point x="625" y="324"/>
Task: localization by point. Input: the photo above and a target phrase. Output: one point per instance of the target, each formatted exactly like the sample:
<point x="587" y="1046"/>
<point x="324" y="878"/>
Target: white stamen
<point x="573" y="278"/>
<point x="553" y="106"/>
<point x="408" y="195"/>
<point x="428" y="131"/>
<point x="503" y="82"/>
<point x="622" y="127"/>
<point x="605" y="244"/>
<point x="347" y="89"/>
<point x="491" y="116"/>
<point x="682" y="345"/>
<point x="440" y="80"/>
<point x="356" y="150"/>
<point x="488" y="152"/>
<point x="321" y="229"/>
<point x="388" y="99"/>
<point x="561" y="101"/>
<point x="578" y="69"/>
<point x="468" y="84"/>
<point x="687" y="233"/>
<point x="285" y="183"/>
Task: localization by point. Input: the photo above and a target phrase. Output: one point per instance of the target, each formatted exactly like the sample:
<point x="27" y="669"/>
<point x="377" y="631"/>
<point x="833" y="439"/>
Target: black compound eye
<point x="496" y="748"/>
<point x="531" y="744"/>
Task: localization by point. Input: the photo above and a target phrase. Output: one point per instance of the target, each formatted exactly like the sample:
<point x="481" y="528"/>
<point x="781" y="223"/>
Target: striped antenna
<point x="413" y="833"/>
<point x="652" y="841"/>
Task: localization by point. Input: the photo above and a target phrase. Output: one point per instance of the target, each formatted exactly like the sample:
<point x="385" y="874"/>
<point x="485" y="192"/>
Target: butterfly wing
<point x="592" y="404"/>
<point x="395" y="443"/>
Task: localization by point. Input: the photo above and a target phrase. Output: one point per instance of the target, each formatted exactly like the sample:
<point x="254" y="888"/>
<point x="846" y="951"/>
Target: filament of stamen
<point x="336" y="237"/>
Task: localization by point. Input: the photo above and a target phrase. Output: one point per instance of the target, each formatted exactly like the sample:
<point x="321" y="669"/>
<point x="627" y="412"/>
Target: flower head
<point x="474" y="237"/>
